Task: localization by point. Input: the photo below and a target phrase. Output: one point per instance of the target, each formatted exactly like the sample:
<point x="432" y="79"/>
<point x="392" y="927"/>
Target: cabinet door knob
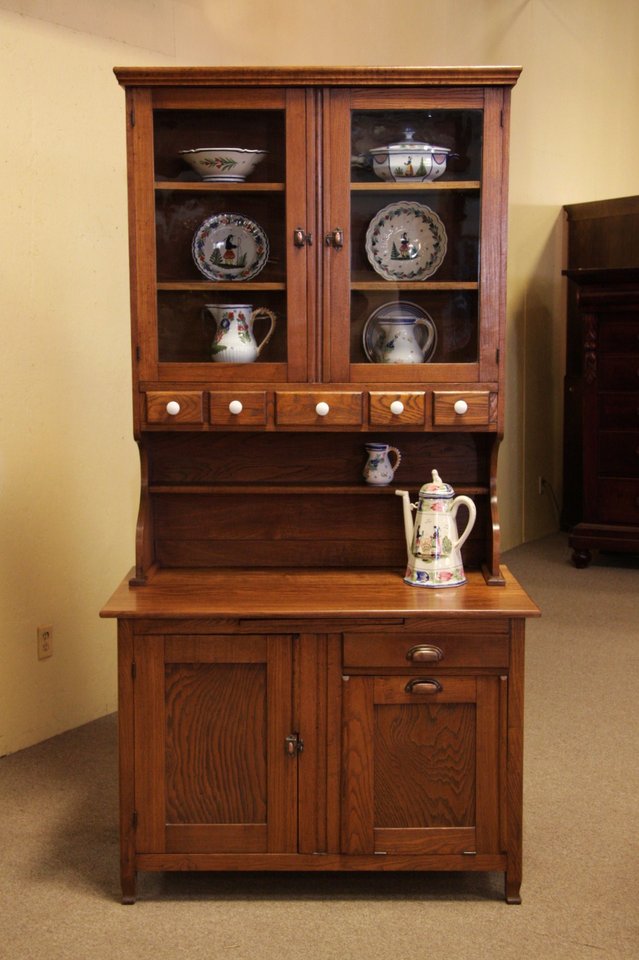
<point x="322" y="408"/>
<point x="460" y="407"/>
<point x="423" y="685"/>
<point x="235" y="407"/>
<point x="173" y="408"/>
<point x="397" y="407"/>
<point x="335" y="238"/>
<point x="425" y="653"/>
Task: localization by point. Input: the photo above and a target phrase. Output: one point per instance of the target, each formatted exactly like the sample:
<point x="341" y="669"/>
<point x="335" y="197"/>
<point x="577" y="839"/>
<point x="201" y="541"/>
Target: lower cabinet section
<point x="273" y="750"/>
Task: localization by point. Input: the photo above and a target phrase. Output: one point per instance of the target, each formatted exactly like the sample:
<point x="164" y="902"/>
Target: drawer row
<point x="321" y="408"/>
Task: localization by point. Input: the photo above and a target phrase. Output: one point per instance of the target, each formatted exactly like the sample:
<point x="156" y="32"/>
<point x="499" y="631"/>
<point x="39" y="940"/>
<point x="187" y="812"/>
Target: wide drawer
<point x="174" y="406"/>
<point x="619" y="373"/>
<point x="318" y="408"/>
<point x="461" y="408"/>
<point x="238" y="408"/>
<point x="432" y="652"/>
<point x="618" y="501"/>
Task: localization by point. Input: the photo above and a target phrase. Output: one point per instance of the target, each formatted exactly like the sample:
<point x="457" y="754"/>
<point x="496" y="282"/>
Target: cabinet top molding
<point x="318" y="76"/>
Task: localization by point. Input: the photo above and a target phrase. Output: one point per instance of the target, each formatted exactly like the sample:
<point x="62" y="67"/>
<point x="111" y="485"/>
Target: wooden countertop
<point x="309" y="594"/>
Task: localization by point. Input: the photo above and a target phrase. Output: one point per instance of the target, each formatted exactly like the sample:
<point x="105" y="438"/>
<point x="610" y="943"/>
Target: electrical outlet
<point x="45" y="642"/>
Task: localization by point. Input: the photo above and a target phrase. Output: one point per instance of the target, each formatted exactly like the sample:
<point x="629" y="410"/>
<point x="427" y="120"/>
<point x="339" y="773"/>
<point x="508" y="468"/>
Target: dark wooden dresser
<point x="608" y="311"/>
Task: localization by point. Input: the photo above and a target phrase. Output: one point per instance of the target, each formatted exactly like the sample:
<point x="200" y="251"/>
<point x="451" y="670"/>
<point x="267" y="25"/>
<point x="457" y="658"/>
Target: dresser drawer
<point x="461" y="408"/>
<point x="619" y="373"/>
<point x="396" y="409"/>
<point x="619" y="410"/>
<point x="238" y="408"/>
<point x="174" y="406"/>
<point x="432" y="651"/>
<point x="619" y="336"/>
<point x="618" y="453"/>
<point x="618" y="501"/>
<point x="318" y="408"/>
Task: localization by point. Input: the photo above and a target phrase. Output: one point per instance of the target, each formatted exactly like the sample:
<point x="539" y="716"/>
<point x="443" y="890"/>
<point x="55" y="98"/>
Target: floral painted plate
<point x="406" y="241"/>
<point x="228" y="246"/>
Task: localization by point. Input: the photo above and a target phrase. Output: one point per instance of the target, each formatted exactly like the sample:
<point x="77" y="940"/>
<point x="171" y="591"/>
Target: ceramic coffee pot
<point x="433" y="543"/>
<point x="234" y="340"/>
<point x="378" y="470"/>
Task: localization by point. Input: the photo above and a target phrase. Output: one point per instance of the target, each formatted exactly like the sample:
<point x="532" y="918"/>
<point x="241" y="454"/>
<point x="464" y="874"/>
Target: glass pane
<point x="220" y="234"/>
<point x="415" y="229"/>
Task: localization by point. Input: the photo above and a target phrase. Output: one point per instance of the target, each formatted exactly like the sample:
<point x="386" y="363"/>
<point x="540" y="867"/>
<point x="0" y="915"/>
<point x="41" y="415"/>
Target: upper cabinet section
<point x="318" y="226"/>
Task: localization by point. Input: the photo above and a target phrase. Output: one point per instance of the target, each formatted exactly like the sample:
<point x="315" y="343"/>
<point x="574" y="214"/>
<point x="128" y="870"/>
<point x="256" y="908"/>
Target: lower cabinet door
<point x="212" y="773"/>
<point x="421" y="764"/>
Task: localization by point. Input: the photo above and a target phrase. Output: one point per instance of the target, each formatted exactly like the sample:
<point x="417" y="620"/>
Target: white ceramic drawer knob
<point x="322" y="408"/>
<point x="235" y="407"/>
<point x="173" y="408"/>
<point x="397" y="407"/>
<point x="460" y="407"/>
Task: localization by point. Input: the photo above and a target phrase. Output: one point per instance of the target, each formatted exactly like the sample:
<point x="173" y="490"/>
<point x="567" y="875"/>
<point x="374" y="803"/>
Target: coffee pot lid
<point x="437" y="488"/>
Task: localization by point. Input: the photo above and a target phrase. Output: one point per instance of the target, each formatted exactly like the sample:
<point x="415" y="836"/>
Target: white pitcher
<point x="234" y="340"/>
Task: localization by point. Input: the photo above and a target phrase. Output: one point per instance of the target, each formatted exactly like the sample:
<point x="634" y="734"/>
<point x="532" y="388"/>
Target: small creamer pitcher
<point x="234" y="340"/>
<point x="378" y="470"/>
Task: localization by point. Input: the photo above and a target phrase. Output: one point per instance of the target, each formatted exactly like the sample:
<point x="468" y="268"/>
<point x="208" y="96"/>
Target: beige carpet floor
<point x="59" y="857"/>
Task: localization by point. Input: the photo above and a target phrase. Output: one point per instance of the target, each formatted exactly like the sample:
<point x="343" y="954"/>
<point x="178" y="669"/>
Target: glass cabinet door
<point x="223" y="271"/>
<point x="413" y="298"/>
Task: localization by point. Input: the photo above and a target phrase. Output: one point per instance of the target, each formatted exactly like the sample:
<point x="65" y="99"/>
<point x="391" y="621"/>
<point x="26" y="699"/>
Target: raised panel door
<point x="211" y="719"/>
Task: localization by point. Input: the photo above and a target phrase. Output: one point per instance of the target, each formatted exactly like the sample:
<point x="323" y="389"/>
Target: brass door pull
<point x="335" y="238"/>
<point x="425" y="653"/>
<point x="423" y="685"/>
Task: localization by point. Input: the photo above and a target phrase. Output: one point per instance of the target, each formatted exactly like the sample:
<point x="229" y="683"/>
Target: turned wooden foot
<point x="581" y="558"/>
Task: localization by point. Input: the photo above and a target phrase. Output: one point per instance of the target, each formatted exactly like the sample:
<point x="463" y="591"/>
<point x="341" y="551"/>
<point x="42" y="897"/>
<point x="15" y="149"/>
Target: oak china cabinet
<point x="328" y="272"/>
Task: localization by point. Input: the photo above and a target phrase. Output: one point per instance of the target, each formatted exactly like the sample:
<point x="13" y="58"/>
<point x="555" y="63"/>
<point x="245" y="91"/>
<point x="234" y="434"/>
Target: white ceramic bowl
<point x="223" y="164"/>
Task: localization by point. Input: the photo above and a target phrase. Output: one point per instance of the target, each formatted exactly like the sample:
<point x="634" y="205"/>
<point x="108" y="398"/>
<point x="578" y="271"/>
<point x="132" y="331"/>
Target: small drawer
<point x="397" y="409"/>
<point x="318" y="408"/>
<point x="462" y="409"/>
<point x="431" y="652"/>
<point x="174" y="406"/>
<point x="238" y="408"/>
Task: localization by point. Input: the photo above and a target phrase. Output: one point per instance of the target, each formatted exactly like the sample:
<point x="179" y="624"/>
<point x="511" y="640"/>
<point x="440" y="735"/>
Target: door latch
<point x="294" y="744"/>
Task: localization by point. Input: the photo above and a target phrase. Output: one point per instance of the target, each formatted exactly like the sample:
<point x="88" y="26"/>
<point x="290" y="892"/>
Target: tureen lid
<point x="437" y="488"/>
<point x="410" y="144"/>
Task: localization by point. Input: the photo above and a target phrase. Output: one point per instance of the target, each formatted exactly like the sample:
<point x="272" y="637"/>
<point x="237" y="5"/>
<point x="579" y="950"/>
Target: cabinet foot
<point x="581" y="558"/>
<point x="512" y="886"/>
<point x="128" y="889"/>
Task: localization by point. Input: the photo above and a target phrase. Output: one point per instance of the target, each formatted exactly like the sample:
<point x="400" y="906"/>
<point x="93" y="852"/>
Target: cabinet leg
<point x="128" y="881"/>
<point x="512" y="884"/>
<point x="581" y="558"/>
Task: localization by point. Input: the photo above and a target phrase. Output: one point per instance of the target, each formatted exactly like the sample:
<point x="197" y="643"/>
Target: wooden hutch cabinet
<point x="287" y="702"/>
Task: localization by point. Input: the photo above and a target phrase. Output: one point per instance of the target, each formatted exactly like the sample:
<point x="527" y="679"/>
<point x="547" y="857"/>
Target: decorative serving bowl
<point x="409" y="160"/>
<point x="224" y="164"/>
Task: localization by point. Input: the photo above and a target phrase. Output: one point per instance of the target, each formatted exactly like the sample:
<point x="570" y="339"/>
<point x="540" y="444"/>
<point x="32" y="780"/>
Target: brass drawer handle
<point x="425" y="653"/>
<point x="423" y="685"/>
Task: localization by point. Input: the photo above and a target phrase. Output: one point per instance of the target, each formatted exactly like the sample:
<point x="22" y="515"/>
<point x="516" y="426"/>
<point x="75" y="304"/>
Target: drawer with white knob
<point x="461" y="409"/>
<point x="238" y="408"/>
<point x="174" y="406"/>
<point x="318" y="408"/>
<point x="397" y="409"/>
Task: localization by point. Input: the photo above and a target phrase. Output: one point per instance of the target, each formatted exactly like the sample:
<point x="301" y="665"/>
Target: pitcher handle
<point x="264" y="312"/>
<point x="430" y="333"/>
<point x="398" y="458"/>
<point x="472" y="514"/>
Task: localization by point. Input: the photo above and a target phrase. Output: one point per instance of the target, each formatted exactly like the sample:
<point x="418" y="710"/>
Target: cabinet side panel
<point x="149" y="743"/>
<point x="358" y="809"/>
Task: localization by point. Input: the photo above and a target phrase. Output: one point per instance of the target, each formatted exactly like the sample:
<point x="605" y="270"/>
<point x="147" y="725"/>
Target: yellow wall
<point x="68" y="465"/>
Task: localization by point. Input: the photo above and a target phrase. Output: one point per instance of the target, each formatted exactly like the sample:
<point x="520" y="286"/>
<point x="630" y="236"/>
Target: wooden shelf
<point x="384" y="187"/>
<point x="284" y="489"/>
<point x="204" y="186"/>
<point x="218" y="285"/>
<point x="385" y="285"/>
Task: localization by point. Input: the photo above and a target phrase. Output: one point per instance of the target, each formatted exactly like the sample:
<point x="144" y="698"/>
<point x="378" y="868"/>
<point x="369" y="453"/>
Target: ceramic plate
<point x="407" y="311"/>
<point x="406" y="241"/>
<point x="228" y="246"/>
